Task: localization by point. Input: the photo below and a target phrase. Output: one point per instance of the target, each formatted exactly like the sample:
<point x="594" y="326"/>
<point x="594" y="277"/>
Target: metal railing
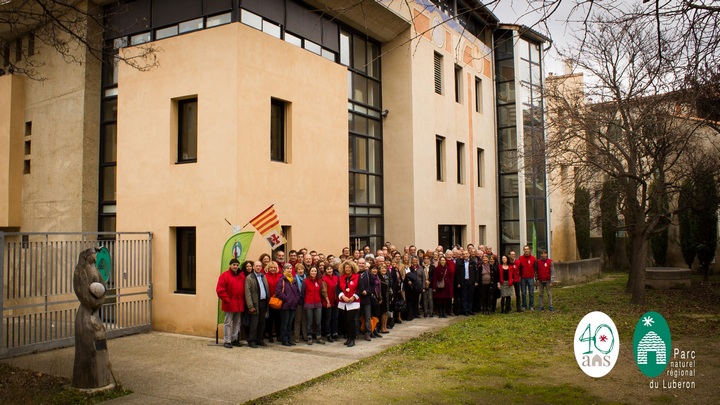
<point x="37" y="301"/>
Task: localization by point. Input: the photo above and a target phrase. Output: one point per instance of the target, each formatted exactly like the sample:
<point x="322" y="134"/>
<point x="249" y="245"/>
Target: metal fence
<point x="37" y="301"/>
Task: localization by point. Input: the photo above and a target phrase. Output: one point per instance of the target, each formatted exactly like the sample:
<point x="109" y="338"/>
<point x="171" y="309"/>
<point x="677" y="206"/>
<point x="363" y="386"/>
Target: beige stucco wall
<point x="60" y="192"/>
<point x="234" y="70"/>
<point x="415" y="202"/>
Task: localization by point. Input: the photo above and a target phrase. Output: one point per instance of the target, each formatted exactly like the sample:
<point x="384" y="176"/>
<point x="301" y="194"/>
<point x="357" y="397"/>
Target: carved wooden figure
<point x="91" y="369"/>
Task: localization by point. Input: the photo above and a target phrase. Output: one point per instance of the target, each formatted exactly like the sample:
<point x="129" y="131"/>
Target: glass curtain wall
<point x="523" y="210"/>
<point x="361" y="56"/>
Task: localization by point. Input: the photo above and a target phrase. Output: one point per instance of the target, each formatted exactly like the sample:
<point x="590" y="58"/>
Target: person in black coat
<point x="466" y="279"/>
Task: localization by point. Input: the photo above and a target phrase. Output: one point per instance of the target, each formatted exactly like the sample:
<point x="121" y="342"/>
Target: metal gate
<point x="37" y="301"/>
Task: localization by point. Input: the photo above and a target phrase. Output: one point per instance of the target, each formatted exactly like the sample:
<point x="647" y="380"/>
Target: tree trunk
<point x="636" y="281"/>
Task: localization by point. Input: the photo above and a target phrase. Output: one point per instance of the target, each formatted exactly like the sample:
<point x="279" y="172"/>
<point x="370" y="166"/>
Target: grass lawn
<point x="528" y="358"/>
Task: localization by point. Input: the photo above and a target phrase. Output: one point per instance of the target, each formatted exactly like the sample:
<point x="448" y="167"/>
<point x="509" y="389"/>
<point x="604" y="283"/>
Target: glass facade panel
<point x="345" y="48"/>
<point x="360" y="88"/>
<point x="110" y="109"/>
<point x="375" y="156"/>
<point x="373" y="94"/>
<point x="110" y="143"/>
<point x="272" y="29"/>
<point x="509" y="185"/>
<point x="510" y="208"/>
<point x="374" y="62"/>
<point x="251" y="19"/>
<point x="508" y="161"/>
<point x="361" y="124"/>
<point x="523" y="49"/>
<point x="506" y="70"/>
<point x="510" y="232"/>
<point x="292" y="39"/>
<point x="506" y="92"/>
<point x="506" y="115"/>
<point x="219" y="20"/>
<point x="508" y="138"/>
<point x="359" y="54"/>
<point x="192" y="25"/>
<point x="109" y="179"/>
<point x="166" y="32"/>
<point x="360" y="153"/>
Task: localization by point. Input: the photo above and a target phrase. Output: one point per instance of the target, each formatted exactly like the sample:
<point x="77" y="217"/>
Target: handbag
<point x="441" y="282"/>
<point x="275" y="302"/>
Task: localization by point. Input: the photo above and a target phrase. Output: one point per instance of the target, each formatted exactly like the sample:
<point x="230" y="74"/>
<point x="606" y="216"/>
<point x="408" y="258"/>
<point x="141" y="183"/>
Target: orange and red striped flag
<point x="268" y="225"/>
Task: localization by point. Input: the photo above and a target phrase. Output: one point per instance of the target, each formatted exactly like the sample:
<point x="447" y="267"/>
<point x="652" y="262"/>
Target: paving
<point x="164" y="368"/>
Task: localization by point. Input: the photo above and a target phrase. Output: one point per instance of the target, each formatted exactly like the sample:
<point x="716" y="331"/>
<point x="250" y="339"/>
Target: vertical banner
<point x="236" y="247"/>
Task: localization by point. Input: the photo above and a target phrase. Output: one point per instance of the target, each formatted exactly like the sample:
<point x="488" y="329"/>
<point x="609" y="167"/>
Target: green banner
<point x="235" y="248"/>
<point x="103" y="263"/>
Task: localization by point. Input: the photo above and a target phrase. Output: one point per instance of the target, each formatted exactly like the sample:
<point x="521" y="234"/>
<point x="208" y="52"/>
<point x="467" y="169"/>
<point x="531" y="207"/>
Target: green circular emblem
<point x="652" y="344"/>
<point x="103" y="263"/>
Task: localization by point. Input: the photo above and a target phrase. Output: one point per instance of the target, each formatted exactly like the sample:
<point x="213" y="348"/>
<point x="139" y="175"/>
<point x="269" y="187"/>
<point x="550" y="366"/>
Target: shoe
<point x="296" y="339"/>
<point x="227" y="346"/>
<point x="309" y="341"/>
<point x="286" y="344"/>
<point x="261" y="343"/>
<point x="293" y="344"/>
<point x="376" y="334"/>
<point x="540" y="308"/>
<point x="319" y="341"/>
<point x="351" y="343"/>
<point x="384" y="331"/>
<point x="431" y="315"/>
<point x="329" y="339"/>
<point x="531" y="309"/>
<point x="236" y="343"/>
<point x="271" y="340"/>
<point x="335" y="336"/>
<point x="551" y="309"/>
<point x="399" y="321"/>
<point x="367" y="337"/>
<point x="253" y="345"/>
<point x="347" y="342"/>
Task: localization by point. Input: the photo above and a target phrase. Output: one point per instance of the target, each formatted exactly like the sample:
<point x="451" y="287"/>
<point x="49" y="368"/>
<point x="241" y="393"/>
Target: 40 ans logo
<point x="597" y="344"/>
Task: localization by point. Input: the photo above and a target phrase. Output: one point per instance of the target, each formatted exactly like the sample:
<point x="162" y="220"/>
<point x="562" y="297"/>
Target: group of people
<point x="317" y="298"/>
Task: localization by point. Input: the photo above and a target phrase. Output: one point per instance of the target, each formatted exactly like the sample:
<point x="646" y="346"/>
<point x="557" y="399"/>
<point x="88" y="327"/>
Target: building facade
<point x="361" y="123"/>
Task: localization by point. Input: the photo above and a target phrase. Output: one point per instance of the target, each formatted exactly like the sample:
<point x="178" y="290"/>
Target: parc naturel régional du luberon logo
<point x="597" y="344"/>
<point x="652" y="346"/>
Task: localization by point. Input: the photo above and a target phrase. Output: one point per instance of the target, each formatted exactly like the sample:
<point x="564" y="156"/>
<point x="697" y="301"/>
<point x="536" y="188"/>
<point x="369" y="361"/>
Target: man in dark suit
<point x="257" y="294"/>
<point x="465" y="281"/>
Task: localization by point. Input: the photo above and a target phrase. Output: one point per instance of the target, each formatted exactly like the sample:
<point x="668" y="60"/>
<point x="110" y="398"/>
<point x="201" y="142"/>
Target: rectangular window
<point x="450" y="235"/>
<point x="6" y="55"/>
<point x="460" y="163"/>
<point x="18" y="49"/>
<point x="482" y="238"/>
<point x="186" y="259"/>
<point x="440" y="158"/>
<point x="438" y="73"/>
<point x="478" y="95"/>
<point x="458" y="84"/>
<point x="31" y="44"/>
<point x="278" y="130"/>
<point x="187" y="130"/>
<point x="480" y="167"/>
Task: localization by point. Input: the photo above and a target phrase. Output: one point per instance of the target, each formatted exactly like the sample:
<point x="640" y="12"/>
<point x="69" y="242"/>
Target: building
<point x="361" y="122"/>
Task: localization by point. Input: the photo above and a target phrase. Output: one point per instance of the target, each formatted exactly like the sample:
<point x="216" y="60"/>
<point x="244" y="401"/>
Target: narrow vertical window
<point x="478" y="95"/>
<point x="187" y="130"/>
<point x="18" y="49"/>
<point x="278" y="132"/>
<point x="458" y="84"/>
<point x="31" y="44"/>
<point x="460" y="163"/>
<point x="482" y="236"/>
<point x="185" y="241"/>
<point x="440" y="158"/>
<point x="480" y="166"/>
<point x="438" y="73"/>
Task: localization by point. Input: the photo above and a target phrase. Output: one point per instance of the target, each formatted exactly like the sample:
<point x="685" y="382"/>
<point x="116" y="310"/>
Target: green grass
<point x="513" y="358"/>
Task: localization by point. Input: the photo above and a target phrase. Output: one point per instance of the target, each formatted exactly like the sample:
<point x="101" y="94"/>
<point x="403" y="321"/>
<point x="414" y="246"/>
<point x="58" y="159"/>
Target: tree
<point x="659" y="207"/>
<point x="73" y="29"/>
<point x="581" y="217"/>
<point x="686" y="222"/>
<point x="637" y="126"/>
<point x="609" y="218"/>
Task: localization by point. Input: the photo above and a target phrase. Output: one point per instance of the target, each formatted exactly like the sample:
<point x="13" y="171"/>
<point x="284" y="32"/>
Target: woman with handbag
<point x="329" y="293"/>
<point x="348" y="299"/>
<point x="287" y="290"/>
<point x="272" y="324"/>
<point x="442" y="286"/>
<point x="385" y="293"/>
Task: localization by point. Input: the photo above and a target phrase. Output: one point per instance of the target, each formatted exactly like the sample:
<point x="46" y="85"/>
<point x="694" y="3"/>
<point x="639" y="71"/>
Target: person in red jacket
<point x="330" y="310"/>
<point x="505" y="284"/>
<point x="348" y="299"/>
<point x="545" y="278"/>
<point x="526" y="266"/>
<point x="231" y="291"/>
<point x="515" y="275"/>
<point x="313" y="305"/>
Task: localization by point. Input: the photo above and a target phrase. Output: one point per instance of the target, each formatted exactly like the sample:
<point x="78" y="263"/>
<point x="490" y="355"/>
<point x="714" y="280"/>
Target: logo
<point x="652" y="344"/>
<point x="237" y="250"/>
<point x="597" y="344"/>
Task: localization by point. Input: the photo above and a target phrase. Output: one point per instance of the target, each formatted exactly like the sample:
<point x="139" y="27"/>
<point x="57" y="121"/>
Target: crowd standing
<point x="320" y="299"/>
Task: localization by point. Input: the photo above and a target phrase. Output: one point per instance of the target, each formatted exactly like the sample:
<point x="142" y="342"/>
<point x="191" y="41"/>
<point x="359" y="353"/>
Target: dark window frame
<point x="478" y="95"/>
<point x="186" y="255"/>
<point x="439" y="158"/>
<point x="437" y="66"/>
<point x="460" y="148"/>
<point x="278" y="130"/>
<point x="458" y="83"/>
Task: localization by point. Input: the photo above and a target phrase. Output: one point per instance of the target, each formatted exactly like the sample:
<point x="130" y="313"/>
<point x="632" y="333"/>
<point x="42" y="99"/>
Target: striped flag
<point x="268" y="225"/>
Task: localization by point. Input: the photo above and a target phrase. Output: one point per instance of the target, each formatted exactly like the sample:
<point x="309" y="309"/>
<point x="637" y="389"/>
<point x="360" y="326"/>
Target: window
<point x="480" y="166"/>
<point x="186" y="259"/>
<point x="440" y="158"/>
<point x="460" y="163"/>
<point x="482" y="238"/>
<point x="458" y="84"/>
<point x="18" y="49"/>
<point x="438" y="73"/>
<point x="450" y="235"/>
<point x="28" y="128"/>
<point x="6" y="55"/>
<point x="478" y="95"/>
<point x="278" y="133"/>
<point x="31" y="44"/>
<point x="187" y="130"/>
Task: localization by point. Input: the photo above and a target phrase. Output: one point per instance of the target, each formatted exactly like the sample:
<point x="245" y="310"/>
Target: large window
<point x="440" y="158"/>
<point x="186" y="259"/>
<point x="278" y="131"/>
<point x="438" y="73"/>
<point x="450" y="235"/>
<point x="187" y="130"/>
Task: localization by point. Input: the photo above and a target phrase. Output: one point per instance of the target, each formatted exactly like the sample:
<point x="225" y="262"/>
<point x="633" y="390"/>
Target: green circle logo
<point x="103" y="263"/>
<point x="652" y="344"/>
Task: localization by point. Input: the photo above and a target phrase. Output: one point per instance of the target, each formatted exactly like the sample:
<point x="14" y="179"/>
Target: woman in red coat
<point x="313" y="305"/>
<point x="231" y="291"/>
<point x="348" y="299"/>
<point x="442" y="285"/>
